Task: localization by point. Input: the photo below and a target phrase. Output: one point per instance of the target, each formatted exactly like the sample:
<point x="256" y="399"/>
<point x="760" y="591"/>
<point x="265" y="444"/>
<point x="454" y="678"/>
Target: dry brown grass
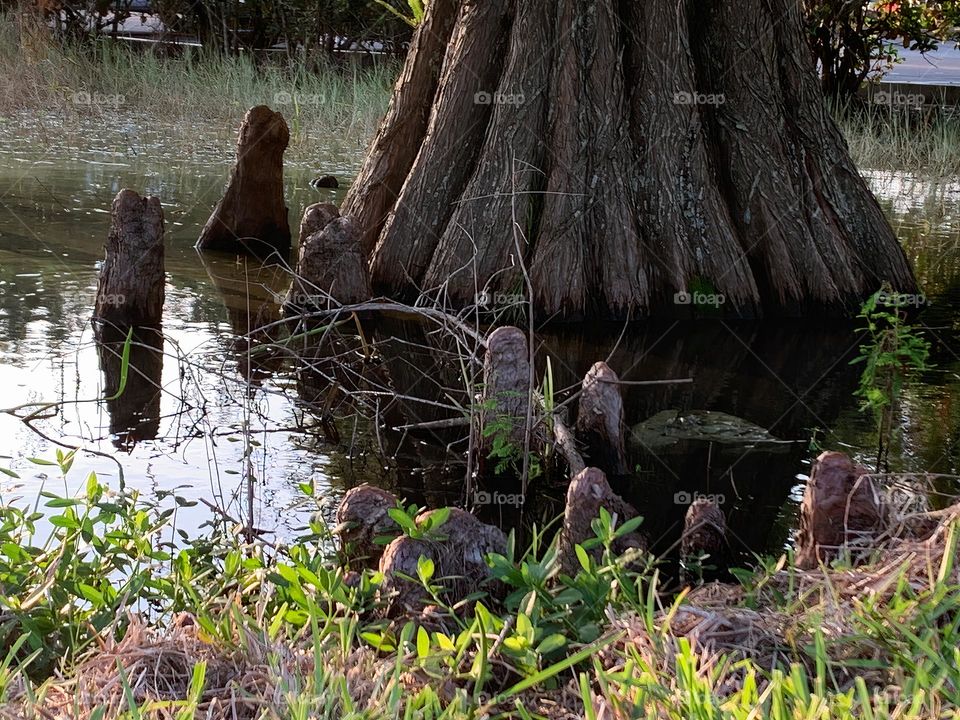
<point x="158" y="666"/>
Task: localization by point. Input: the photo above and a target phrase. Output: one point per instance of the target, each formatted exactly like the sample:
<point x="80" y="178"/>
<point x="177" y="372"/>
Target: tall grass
<point x="38" y="74"/>
<point x="925" y="143"/>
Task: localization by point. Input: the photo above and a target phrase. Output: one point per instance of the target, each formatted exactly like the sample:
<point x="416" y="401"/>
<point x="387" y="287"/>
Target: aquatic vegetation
<point x="893" y="349"/>
<point x="913" y="141"/>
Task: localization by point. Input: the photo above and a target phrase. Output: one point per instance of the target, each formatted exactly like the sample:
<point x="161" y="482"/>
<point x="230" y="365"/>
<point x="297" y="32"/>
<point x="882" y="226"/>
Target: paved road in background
<point x="941" y="67"/>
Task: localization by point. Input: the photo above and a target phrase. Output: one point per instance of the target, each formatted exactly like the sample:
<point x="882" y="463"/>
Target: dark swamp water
<point x="791" y="379"/>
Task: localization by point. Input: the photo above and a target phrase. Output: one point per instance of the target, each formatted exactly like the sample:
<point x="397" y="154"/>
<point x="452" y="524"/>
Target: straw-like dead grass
<point x="157" y="667"/>
<point x="768" y="624"/>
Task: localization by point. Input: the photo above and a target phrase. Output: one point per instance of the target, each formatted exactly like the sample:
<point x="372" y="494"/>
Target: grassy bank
<point x="192" y="93"/>
<point x="106" y="618"/>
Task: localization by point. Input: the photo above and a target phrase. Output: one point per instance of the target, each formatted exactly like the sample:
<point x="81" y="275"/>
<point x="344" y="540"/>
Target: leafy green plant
<point x="506" y="454"/>
<point x="101" y="556"/>
<point x="425" y="528"/>
<point x="852" y="38"/>
<point x="417" y="11"/>
<point x="893" y="349"/>
<point x="288" y="610"/>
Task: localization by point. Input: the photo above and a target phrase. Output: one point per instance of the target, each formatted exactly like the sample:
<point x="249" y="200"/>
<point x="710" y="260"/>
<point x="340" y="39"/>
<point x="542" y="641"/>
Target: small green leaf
<point x="425" y="569"/>
<point x="551" y="643"/>
<point x="444" y="642"/>
<point x="62" y="503"/>
<point x="91" y="593"/>
<point x="402" y="519"/>
<point x="423" y="643"/>
<point x="93" y="486"/>
<point x="582" y="557"/>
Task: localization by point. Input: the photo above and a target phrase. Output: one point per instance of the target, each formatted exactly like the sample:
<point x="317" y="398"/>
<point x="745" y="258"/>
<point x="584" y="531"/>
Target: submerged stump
<point x="129" y="308"/>
<point x="600" y="420"/>
<point x="588" y="492"/>
<point x="331" y="269"/>
<point x="362" y="518"/>
<point x="704" y="531"/>
<point x="841" y="510"/>
<point x="130" y="291"/>
<point x="315" y="218"/>
<point x="252" y="216"/>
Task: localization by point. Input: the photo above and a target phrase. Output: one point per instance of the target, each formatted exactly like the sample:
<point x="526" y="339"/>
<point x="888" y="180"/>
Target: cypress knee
<point x="130" y="291"/>
<point x="251" y="218"/>
<point x="600" y="420"/>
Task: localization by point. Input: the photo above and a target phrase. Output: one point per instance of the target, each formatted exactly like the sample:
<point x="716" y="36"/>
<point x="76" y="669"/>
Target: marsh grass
<point x="200" y="93"/>
<point x="925" y="142"/>
<point x="193" y="92"/>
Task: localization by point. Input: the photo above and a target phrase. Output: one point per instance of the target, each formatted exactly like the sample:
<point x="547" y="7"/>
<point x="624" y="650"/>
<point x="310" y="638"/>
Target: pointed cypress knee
<point x="251" y="218"/>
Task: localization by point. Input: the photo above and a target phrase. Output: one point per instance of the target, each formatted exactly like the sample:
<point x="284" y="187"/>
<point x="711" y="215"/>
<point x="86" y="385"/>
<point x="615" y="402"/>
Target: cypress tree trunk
<point x="623" y="154"/>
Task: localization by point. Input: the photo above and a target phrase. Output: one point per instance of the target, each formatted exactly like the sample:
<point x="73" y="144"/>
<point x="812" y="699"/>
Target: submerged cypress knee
<point x="841" y="510"/>
<point x="331" y="268"/>
<point x="129" y="308"/>
<point x="600" y="419"/>
<point x="704" y="531"/>
<point x="588" y="492"/>
<point x="458" y="550"/>
<point x="506" y="385"/>
<point x="252" y="216"/>
<point x="130" y="291"/>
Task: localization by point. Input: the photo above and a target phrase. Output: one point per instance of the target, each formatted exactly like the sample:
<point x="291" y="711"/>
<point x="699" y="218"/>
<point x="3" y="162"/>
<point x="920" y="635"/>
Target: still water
<point x="791" y="379"/>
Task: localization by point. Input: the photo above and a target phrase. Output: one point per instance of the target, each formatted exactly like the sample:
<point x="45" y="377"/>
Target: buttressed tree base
<point x="613" y="157"/>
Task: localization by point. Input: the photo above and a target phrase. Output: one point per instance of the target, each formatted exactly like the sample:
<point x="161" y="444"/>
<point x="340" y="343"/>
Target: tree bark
<point x="402" y="131"/>
<point x="704" y="530"/>
<point x="588" y="492"/>
<point x="600" y="420"/>
<point x="458" y="551"/>
<point x="363" y="518"/>
<point x="506" y="388"/>
<point x="130" y="290"/>
<point x="331" y="269"/>
<point x="616" y="159"/>
<point x="439" y="173"/>
<point x="251" y="218"/>
<point x="841" y="511"/>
